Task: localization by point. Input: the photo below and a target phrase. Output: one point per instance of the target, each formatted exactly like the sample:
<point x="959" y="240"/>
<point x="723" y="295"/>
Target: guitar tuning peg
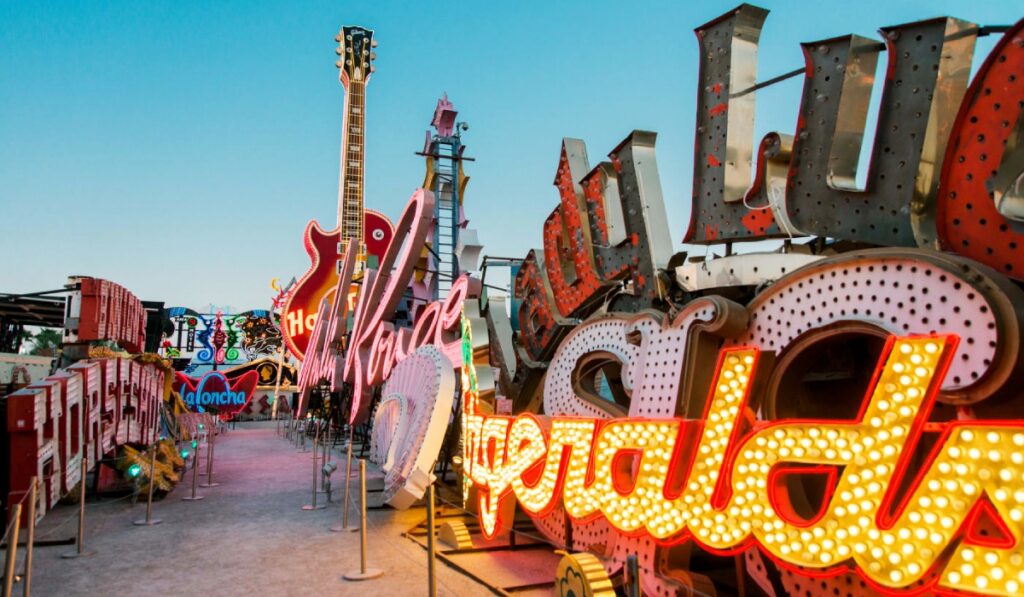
<point x="373" y="44"/>
<point x="373" y="55"/>
<point x="373" y="69"/>
<point x="337" y="38"/>
<point x="338" y="51"/>
<point x="339" y="64"/>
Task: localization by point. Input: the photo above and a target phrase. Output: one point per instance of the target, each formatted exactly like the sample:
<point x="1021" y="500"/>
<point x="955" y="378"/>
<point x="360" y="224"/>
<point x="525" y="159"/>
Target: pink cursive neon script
<point x="376" y="345"/>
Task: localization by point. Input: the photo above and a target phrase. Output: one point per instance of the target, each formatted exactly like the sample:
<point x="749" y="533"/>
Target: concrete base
<point x="341" y="529"/>
<point x="370" y="574"/>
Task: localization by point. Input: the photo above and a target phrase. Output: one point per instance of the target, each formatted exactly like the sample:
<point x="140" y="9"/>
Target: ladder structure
<point x="443" y="150"/>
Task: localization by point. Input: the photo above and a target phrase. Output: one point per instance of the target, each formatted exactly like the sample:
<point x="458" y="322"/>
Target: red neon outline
<point x="599" y="424"/>
<point x="984" y="507"/>
<point x="778" y="491"/>
<point x="949" y="343"/>
<point x="623" y="466"/>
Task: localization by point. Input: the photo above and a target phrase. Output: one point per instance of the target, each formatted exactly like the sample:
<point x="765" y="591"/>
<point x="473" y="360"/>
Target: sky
<point x="179" y="148"/>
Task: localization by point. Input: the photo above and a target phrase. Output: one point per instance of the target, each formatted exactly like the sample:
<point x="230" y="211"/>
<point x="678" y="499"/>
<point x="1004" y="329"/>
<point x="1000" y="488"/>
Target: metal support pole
<point x="431" y="549"/>
<point x="305" y="428"/>
<point x="632" y="577"/>
<point x="314" y="506"/>
<point x="326" y="446"/>
<point x="195" y="477"/>
<point x="149" y="520"/>
<point x="80" y="542"/>
<point x="12" y="550"/>
<point x="26" y="588"/>
<point x="211" y="443"/>
<point x="364" y="573"/>
<point x="348" y="483"/>
<point x="206" y="437"/>
<point x="210" y="439"/>
<point x="277" y="382"/>
<point x="325" y="452"/>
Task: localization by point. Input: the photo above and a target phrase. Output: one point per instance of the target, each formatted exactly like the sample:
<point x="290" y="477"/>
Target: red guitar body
<point x="320" y="280"/>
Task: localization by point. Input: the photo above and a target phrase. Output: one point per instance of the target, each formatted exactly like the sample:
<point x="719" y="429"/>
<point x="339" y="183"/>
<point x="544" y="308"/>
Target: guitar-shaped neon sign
<point x="372" y="230"/>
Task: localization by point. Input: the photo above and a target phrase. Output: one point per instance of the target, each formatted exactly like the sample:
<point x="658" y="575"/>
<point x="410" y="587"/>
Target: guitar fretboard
<point x="350" y="200"/>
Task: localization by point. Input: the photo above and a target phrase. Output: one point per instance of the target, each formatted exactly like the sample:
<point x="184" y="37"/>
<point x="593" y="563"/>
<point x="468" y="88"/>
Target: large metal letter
<point x="723" y="147"/>
<point x="628" y="190"/>
<point x="986" y="155"/>
<point x="929" y="64"/>
<point x="568" y="250"/>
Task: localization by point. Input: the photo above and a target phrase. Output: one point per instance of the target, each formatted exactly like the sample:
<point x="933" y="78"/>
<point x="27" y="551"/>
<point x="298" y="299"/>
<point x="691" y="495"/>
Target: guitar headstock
<point x="355" y="47"/>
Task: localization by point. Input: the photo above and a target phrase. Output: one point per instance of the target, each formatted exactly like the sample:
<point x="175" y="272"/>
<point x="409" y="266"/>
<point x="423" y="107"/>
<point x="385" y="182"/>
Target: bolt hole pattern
<point x="385" y="417"/>
<point x="653" y="383"/>
<point x="901" y="295"/>
<point x="422" y="385"/>
<point x="968" y="221"/>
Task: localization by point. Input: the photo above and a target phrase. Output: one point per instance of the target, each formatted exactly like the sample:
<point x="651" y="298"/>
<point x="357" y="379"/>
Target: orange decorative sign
<point x="722" y="481"/>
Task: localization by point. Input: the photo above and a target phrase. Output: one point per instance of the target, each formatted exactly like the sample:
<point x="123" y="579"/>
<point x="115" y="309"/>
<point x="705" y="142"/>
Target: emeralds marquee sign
<point x="720" y="481"/>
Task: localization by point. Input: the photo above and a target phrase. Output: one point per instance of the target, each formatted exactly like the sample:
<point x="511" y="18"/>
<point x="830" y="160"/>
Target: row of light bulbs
<point x="620" y="469"/>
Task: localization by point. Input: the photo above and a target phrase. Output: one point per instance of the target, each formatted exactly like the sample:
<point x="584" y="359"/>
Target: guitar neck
<point x="350" y="195"/>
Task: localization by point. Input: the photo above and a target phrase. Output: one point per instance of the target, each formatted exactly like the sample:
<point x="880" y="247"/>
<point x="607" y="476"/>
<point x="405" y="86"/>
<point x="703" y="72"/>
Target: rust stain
<point x="757" y="221"/>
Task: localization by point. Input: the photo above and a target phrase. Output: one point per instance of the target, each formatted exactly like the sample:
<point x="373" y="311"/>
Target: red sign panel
<point x="108" y="311"/>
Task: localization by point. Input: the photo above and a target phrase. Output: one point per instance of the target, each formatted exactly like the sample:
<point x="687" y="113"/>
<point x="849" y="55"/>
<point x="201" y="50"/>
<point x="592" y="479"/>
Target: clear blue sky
<point x="179" y="148"/>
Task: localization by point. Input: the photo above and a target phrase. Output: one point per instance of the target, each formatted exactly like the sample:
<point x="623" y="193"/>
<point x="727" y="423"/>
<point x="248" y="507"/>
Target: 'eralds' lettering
<point x="721" y="481"/>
